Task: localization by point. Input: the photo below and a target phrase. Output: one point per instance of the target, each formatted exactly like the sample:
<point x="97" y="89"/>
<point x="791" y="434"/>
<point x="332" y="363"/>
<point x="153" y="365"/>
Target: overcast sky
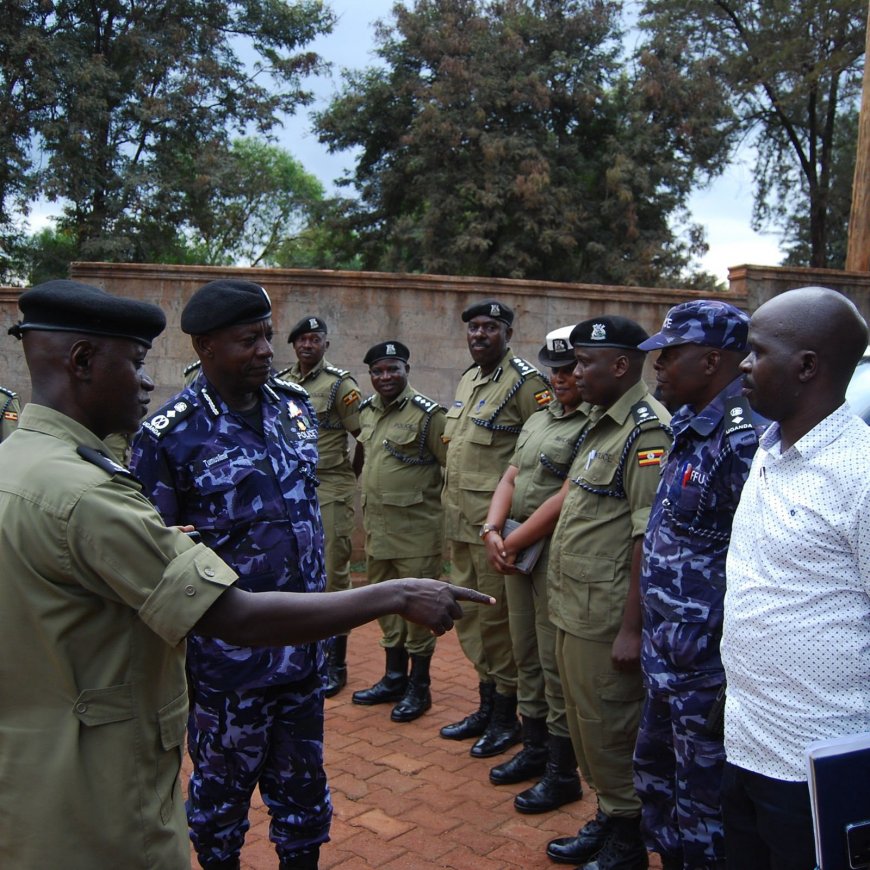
<point x="724" y="210"/>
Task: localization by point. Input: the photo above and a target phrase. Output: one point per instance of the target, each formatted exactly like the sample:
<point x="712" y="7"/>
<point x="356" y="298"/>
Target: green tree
<point x="244" y="203"/>
<point x="505" y="138"/>
<point x="791" y="73"/>
<point x="107" y="105"/>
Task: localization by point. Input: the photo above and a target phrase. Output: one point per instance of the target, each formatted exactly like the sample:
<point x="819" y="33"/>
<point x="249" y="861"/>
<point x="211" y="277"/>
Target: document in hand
<point x="528" y="558"/>
<point x="838" y="774"/>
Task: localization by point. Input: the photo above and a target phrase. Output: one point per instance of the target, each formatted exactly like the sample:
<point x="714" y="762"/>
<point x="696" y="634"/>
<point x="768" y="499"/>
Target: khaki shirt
<point x="606" y="509"/>
<point x="545" y="450"/>
<point x="96" y="598"/>
<point x="401" y="477"/>
<point x="479" y="452"/>
<point x="9" y="411"/>
<point x="335" y="396"/>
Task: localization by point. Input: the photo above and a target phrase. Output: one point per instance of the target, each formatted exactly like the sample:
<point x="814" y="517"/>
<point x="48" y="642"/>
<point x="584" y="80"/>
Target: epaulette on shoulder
<point x="103" y="461"/>
<point x="8" y="393"/>
<point x="523" y="367"/>
<point x="168" y="417"/>
<point x="739" y="417"/>
<point x="188" y="369"/>
<point x="280" y="384"/>
<point x="366" y="402"/>
<point x="426" y="404"/>
<point x="334" y="370"/>
<point x="642" y="412"/>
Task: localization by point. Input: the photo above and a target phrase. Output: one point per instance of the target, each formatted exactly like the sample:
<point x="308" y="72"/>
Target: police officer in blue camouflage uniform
<point x="234" y="455"/>
<point x="679" y="754"/>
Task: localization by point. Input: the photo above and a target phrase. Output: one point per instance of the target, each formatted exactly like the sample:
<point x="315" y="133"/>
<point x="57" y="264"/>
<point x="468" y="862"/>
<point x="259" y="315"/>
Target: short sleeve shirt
<point x="96" y="598"/>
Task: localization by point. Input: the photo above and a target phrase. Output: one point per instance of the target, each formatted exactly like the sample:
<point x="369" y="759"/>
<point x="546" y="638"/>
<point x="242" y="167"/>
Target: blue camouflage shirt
<point x="686" y="541"/>
<point x="252" y="496"/>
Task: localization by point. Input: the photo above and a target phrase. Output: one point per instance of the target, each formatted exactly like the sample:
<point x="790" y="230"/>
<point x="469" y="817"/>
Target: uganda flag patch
<point x="10" y="415"/>
<point x="543" y="397"/>
<point x="351" y="397"/>
<point x="650" y="457"/>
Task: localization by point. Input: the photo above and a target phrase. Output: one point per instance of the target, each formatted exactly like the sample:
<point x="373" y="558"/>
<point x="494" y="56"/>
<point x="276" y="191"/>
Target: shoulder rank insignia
<point x="642" y="412"/>
<point x="194" y="366"/>
<point x="523" y="367"/>
<point x="427" y="405"/>
<point x="366" y="402"/>
<point x="738" y="415"/>
<point x="168" y="417"/>
<point x="105" y="462"/>
<point x="276" y="381"/>
<point x="334" y="370"/>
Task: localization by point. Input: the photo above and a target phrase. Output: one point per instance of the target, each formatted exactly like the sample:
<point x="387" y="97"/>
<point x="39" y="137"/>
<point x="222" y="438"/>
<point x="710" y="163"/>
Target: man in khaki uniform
<point x="401" y="497"/>
<point x="98" y="595"/>
<point x="9" y="411"/>
<point x="494" y="398"/>
<point x="594" y="577"/>
<point x="334" y="394"/>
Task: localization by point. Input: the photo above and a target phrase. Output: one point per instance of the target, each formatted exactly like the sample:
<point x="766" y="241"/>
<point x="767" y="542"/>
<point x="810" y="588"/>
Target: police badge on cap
<point x="311" y="323"/>
<point x="558" y="350"/>
<point x="387" y="350"/>
<point x="608" y="331"/>
<point x="489" y="308"/>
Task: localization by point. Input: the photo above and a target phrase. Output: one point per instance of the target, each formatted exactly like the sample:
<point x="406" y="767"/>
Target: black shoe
<point x="584" y="846"/>
<point x="623" y="847"/>
<point x="560" y="784"/>
<point x="417" y="698"/>
<point x="336" y="666"/>
<point x="530" y="762"/>
<point x="475" y="723"/>
<point x="306" y="860"/>
<point x="392" y="685"/>
<point x="503" y="731"/>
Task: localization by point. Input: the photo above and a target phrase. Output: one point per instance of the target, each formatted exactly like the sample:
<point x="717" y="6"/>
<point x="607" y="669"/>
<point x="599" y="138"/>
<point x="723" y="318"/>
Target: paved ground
<point x="405" y="799"/>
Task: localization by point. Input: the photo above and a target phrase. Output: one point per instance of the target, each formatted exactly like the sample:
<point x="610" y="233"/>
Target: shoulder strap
<point x="100" y="459"/>
<point x="168" y="417"/>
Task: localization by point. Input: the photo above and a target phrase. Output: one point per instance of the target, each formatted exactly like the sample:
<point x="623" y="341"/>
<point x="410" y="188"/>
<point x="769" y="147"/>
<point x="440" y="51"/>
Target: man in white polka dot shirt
<point x="797" y="610"/>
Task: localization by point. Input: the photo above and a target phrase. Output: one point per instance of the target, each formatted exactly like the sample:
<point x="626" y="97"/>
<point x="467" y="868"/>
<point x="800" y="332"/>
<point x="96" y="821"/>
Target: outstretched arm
<point x="278" y="618"/>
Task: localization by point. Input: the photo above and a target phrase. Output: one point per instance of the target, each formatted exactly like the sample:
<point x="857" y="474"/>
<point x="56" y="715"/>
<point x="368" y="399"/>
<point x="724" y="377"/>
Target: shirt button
<point x="209" y="572"/>
<point x="81" y="708"/>
<point x="189" y="590"/>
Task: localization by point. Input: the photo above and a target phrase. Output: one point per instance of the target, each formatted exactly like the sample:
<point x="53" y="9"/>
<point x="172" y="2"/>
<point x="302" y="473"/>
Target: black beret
<point x="387" y="350"/>
<point x="489" y="308"/>
<point x="608" y="331"/>
<point x="558" y="352"/>
<point x="312" y="323"/>
<point x="68" y="306"/>
<point x="224" y="302"/>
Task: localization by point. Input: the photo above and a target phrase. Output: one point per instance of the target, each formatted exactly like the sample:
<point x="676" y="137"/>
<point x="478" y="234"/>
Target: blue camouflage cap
<point x="708" y="322"/>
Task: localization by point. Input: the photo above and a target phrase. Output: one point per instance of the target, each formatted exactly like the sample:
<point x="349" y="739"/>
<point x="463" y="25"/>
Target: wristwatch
<point x="486" y="528"/>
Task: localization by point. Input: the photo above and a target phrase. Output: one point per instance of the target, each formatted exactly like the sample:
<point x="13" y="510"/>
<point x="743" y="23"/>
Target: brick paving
<point x="406" y="799"/>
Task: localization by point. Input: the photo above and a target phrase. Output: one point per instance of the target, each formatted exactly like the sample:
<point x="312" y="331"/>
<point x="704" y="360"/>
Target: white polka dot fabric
<point x="796" y="638"/>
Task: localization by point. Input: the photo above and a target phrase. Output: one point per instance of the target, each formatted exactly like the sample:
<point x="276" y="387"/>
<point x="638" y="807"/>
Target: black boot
<point x="391" y="686"/>
<point x="504" y="728"/>
<point x="228" y="864"/>
<point x="560" y="784"/>
<point x="474" y="724"/>
<point x="418" y="698"/>
<point x="530" y="761"/>
<point x="336" y="665"/>
<point x="305" y="860"/>
<point x="623" y="847"/>
<point x="584" y="846"/>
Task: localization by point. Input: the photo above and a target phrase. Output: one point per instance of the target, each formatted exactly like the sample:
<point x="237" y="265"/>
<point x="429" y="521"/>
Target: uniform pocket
<point x="171" y="722"/>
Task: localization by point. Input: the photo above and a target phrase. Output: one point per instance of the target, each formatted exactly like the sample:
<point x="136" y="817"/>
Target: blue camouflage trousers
<point x="678" y="775"/>
<point x="271" y="737"/>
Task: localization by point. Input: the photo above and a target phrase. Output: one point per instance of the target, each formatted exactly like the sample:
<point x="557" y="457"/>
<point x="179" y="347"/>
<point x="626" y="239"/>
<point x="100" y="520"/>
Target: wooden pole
<point x="858" y="250"/>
